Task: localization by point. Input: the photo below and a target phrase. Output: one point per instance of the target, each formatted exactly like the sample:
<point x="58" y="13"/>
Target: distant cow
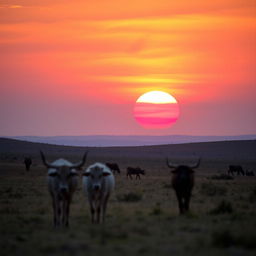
<point x="27" y="162"/>
<point x="62" y="182"/>
<point x="98" y="183"/>
<point x="249" y="173"/>
<point x="134" y="171"/>
<point x="113" y="167"/>
<point x="182" y="183"/>
<point x="236" y="169"/>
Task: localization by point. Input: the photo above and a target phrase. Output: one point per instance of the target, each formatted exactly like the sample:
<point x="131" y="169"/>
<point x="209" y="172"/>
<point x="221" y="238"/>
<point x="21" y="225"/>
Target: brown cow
<point x="134" y="171"/>
<point x="182" y="183"/>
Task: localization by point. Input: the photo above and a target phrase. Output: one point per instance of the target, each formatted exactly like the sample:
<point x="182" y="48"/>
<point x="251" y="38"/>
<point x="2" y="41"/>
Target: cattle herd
<point x="98" y="182"/>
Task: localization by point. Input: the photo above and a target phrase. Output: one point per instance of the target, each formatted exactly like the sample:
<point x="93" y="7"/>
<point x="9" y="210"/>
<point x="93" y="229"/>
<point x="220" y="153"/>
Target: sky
<point x="77" y="67"/>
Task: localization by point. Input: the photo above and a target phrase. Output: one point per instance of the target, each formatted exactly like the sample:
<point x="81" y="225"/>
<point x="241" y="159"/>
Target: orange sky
<point x="77" y="67"/>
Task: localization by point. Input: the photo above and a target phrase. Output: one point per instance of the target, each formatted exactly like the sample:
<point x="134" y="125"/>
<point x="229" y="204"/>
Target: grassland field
<point x="142" y="215"/>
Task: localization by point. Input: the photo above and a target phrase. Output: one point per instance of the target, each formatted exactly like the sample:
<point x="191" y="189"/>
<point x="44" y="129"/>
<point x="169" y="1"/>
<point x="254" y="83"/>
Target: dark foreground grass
<point x="142" y="219"/>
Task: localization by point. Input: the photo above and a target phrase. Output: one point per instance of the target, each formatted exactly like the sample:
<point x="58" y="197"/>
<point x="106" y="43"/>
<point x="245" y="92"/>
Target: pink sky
<point x="77" y="67"/>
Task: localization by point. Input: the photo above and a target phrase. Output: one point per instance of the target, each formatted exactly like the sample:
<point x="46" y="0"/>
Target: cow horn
<point x="46" y="163"/>
<point x="170" y="165"/>
<point x="195" y="165"/>
<point x="81" y="163"/>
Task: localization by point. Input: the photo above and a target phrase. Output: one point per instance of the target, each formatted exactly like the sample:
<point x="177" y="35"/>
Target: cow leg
<point x="98" y="211"/>
<point x="56" y="212"/>
<point x="92" y="210"/>
<point x="104" y="207"/>
<point x="186" y="202"/>
<point x="65" y="216"/>
<point x="179" y="198"/>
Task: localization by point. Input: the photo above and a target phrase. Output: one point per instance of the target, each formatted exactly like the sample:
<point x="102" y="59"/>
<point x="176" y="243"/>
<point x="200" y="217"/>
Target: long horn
<point x="170" y="165"/>
<point x="195" y="165"/>
<point x="81" y="163"/>
<point x="46" y="163"/>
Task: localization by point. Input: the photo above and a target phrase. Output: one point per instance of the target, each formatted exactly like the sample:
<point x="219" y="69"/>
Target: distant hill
<point x="110" y="141"/>
<point x="233" y="151"/>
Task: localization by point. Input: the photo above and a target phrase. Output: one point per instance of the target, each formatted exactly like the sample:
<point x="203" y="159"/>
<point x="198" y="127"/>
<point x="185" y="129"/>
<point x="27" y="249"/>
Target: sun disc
<point x="156" y="110"/>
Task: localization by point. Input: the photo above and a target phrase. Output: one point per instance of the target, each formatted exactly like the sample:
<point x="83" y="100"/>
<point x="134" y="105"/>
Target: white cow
<point x="98" y="183"/>
<point x="62" y="182"/>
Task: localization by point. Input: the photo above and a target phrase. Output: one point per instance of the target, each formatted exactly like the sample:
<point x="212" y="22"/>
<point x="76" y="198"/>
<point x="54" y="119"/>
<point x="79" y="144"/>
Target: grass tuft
<point x="129" y="197"/>
<point x="222" y="208"/>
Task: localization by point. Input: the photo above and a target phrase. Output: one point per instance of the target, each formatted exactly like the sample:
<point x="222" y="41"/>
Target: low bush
<point x="223" y="207"/>
<point x="222" y="176"/>
<point x="156" y="210"/>
<point x="209" y="189"/>
<point x="222" y="238"/>
<point x="129" y="197"/>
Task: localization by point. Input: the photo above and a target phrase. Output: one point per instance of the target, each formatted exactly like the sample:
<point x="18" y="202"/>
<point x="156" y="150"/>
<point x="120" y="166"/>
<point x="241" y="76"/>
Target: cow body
<point x="98" y="184"/>
<point x="183" y="183"/>
<point x="236" y="169"/>
<point x="27" y="162"/>
<point x="134" y="171"/>
<point x="113" y="167"/>
<point x="62" y="182"/>
<point x="249" y="173"/>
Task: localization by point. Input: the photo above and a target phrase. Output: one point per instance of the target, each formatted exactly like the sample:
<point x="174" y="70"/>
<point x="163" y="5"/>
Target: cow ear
<point x="106" y="173"/>
<point x="86" y="174"/>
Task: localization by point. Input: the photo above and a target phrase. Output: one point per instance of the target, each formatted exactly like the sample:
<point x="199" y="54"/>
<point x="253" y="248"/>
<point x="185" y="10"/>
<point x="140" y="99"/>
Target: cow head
<point x="63" y="173"/>
<point x="96" y="175"/>
<point x="183" y="170"/>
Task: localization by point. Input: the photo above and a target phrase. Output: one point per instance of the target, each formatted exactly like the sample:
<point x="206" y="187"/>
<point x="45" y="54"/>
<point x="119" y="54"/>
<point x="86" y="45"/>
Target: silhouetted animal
<point x="98" y="183"/>
<point x="27" y="162"/>
<point x="249" y="173"/>
<point x="62" y="183"/>
<point x="236" y="169"/>
<point x="134" y="171"/>
<point x="182" y="183"/>
<point x="113" y="167"/>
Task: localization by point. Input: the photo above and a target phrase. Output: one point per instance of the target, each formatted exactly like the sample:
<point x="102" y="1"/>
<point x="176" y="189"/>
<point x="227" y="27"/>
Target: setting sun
<point x="156" y="110"/>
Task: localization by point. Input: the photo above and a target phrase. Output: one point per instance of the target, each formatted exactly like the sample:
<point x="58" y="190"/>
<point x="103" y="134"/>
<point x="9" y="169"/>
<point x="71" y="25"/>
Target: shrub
<point x="222" y="176"/>
<point x="156" y="210"/>
<point x="210" y="189"/>
<point x="129" y="197"/>
<point x="252" y="196"/>
<point x="222" y="239"/>
<point x="167" y="185"/>
<point x="223" y="207"/>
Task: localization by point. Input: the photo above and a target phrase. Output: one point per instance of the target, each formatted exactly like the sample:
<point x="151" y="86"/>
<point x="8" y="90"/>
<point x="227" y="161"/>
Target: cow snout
<point x="96" y="187"/>
<point x="64" y="189"/>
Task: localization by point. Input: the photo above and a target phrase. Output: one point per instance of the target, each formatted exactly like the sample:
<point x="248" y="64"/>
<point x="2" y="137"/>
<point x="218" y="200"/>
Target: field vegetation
<point x="142" y="216"/>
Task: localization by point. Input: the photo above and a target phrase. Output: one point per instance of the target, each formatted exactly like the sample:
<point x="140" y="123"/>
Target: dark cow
<point x="236" y="169"/>
<point x="182" y="183"/>
<point x="134" y="171"/>
<point x="27" y="162"/>
<point x="113" y="167"/>
<point x="249" y="173"/>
